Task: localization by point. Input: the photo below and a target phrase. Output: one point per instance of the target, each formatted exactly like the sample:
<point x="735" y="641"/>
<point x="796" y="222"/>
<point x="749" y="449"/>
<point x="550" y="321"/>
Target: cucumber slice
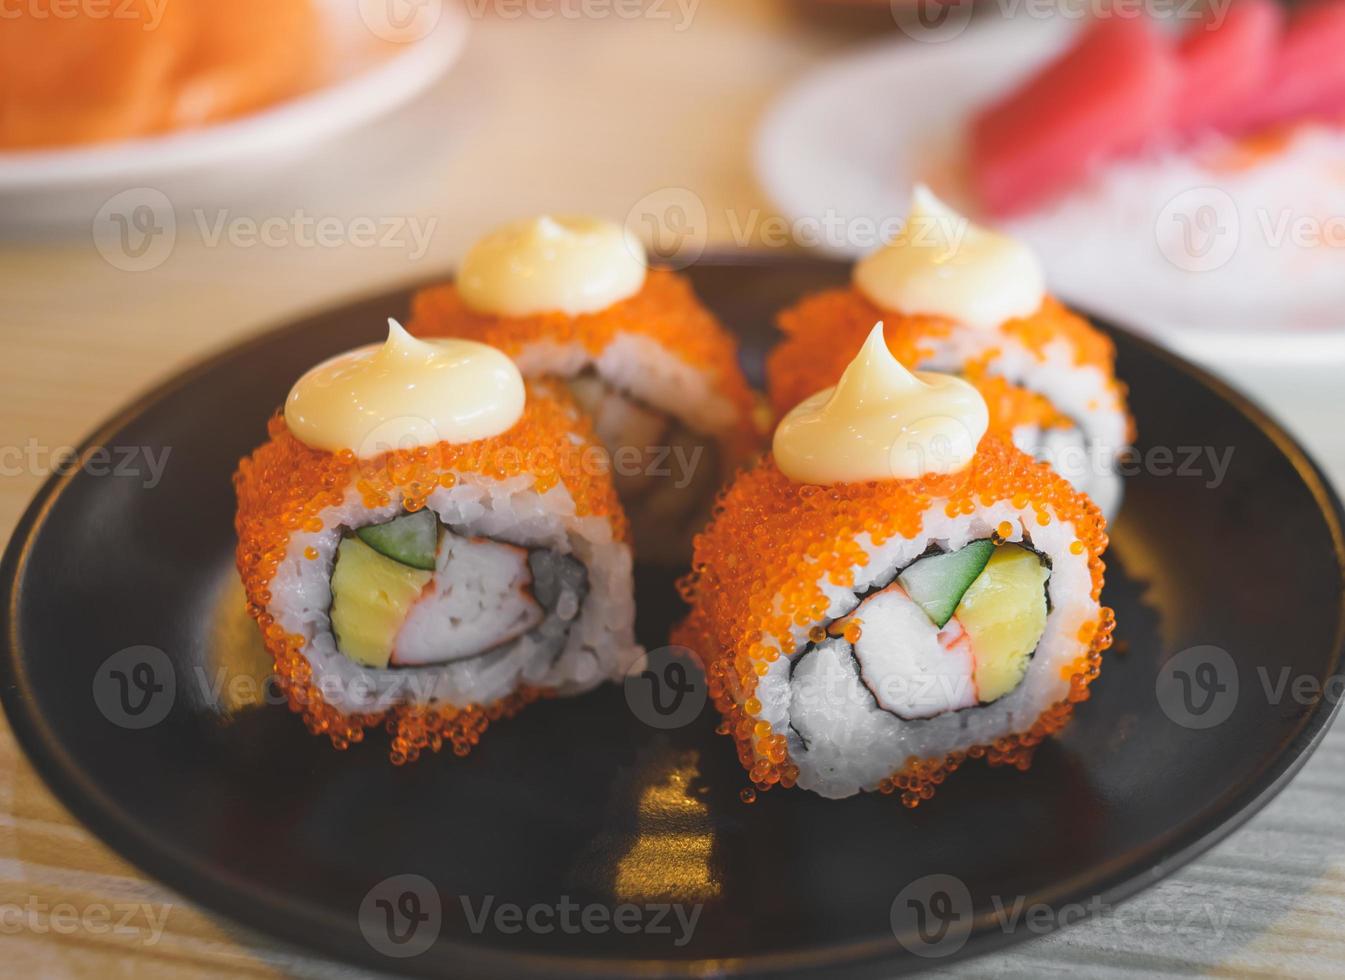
<point x="371" y="596"/>
<point x="937" y="583"/>
<point x="1004" y="613"/>
<point x="411" y="539"/>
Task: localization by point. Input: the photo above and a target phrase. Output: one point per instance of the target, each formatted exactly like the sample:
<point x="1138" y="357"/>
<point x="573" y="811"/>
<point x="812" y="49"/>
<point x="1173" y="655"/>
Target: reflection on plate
<point x="1226" y="254"/>
<point x="578" y="804"/>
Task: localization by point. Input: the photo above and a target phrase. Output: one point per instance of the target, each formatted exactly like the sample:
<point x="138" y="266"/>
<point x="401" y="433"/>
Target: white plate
<point x="68" y="186"/>
<point x="842" y="147"/>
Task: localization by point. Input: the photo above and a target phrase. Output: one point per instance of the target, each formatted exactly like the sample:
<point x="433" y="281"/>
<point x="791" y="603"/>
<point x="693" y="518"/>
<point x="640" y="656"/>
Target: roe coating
<point x="824" y="330"/>
<point x="284" y="486"/>
<point x="755" y="576"/>
<point x="665" y="310"/>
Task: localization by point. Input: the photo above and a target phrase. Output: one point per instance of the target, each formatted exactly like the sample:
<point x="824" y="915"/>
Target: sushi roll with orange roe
<point x="571" y="298"/>
<point x="960" y="299"/>
<point x="428" y="546"/>
<point x="892" y="591"/>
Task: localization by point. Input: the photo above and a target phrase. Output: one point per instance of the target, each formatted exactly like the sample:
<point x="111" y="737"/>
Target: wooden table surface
<point x="542" y="114"/>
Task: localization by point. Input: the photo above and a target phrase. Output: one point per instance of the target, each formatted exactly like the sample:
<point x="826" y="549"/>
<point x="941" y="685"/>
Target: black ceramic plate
<point x="552" y="849"/>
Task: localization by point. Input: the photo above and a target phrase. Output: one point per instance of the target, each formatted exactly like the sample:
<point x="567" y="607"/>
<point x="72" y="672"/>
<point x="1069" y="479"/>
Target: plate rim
<point x="218" y="892"/>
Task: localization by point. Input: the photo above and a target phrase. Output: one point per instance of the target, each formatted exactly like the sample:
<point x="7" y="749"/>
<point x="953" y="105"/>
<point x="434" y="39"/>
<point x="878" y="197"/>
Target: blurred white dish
<point x="377" y="74"/>
<point x="1228" y="265"/>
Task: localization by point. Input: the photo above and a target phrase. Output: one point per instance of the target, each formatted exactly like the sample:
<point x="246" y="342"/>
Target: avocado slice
<point x="371" y="596"/>
<point x="937" y="583"/>
<point x="1004" y="614"/>
<point x="411" y="539"/>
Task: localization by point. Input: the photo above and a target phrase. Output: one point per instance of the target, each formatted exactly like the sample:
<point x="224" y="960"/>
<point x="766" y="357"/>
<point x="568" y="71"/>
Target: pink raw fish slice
<point x="1307" y="78"/>
<point x="1108" y="94"/>
<point x="1225" y="66"/>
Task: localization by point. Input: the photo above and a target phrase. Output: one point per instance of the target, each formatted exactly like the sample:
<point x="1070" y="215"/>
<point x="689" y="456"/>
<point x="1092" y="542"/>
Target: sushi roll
<point x="426" y="546"/>
<point x="890" y="593"/>
<point x="960" y="299"/>
<point x="571" y="298"/>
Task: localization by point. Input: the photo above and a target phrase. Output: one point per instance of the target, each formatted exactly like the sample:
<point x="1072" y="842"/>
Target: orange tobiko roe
<point x="284" y="487"/>
<point x="755" y="577"/>
<point x="825" y="330"/>
<point x="665" y="310"/>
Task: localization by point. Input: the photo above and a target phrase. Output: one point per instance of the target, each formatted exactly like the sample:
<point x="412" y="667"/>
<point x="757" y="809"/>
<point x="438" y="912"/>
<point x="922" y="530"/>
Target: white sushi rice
<point x="600" y="644"/>
<point x="853" y="744"/>
<point x="1211" y="248"/>
<point x="1081" y="392"/>
<point x="670" y="485"/>
<point x="640" y="367"/>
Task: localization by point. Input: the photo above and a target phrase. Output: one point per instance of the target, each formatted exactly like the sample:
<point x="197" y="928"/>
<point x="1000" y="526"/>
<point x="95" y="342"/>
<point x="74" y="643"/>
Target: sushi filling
<point x="665" y="474"/>
<point x="952" y="630"/>
<point x="413" y="592"/>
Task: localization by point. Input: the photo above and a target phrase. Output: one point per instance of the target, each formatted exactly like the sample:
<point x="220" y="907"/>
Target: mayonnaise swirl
<point x="942" y="264"/>
<point x="551" y="264"/>
<point x="405" y="393"/>
<point x="881" y="422"/>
